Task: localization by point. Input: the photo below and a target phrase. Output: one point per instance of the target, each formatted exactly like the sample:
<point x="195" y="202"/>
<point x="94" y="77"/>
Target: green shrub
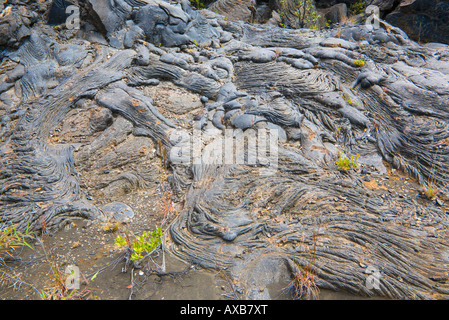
<point x="197" y="4"/>
<point x="357" y="7"/>
<point x="145" y="243"/>
<point x="304" y="10"/>
<point x="359" y="63"/>
<point x="307" y="14"/>
<point x="344" y="163"/>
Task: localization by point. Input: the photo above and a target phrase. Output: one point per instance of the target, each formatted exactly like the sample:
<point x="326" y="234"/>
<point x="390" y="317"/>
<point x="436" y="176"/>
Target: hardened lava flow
<point x="339" y="91"/>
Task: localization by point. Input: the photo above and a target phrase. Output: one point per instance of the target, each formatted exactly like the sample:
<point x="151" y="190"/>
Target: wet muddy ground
<point x="89" y="245"/>
<point x="93" y="251"/>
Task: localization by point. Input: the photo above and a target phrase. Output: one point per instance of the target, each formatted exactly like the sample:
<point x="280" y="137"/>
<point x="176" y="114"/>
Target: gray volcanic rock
<point x="111" y="14"/>
<point x="234" y="9"/>
<point x="385" y="5"/>
<point x="160" y="23"/>
<point x="15" y="25"/>
<point x="118" y="211"/>
<point x="338" y="13"/>
<point x="422" y="20"/>
<point x="80" y="122"/>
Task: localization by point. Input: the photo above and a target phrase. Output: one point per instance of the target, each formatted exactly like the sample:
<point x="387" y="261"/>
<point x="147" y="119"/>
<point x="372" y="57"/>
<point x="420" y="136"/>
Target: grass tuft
<point x="430" y="191"/>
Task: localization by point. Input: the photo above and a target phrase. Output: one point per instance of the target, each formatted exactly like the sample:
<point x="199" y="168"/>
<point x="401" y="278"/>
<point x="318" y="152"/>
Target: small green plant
<point x="359" y="63"/>
<point x="59" y="289"/>
<point x="61" y="286"/>
<point x="346" y="98"/>
<point x="194" y="42"/>
<point x="357" y="7"/>
<point x="307" y="14"/>
<point x="198" y="4"/>
<point x="344" y="163"/>
<point x="145" y="243"/>
<point x="430" y="191"/>
<point x="10" y="238"/>
<point x="304" y="10"/>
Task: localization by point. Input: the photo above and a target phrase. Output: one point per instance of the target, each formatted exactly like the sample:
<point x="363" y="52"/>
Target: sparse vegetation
<point x="430" y="191"/>
<point x="345" y="164"/>
<point x="304" y="10"/>
<point x="304" y="282"/>
<point x="357" y="7"/>
<point x="146" y="243"/>
<point x="359" y="63"/>
<point x="307" y="14"/>
<point x="167" y="205"/>
<point x="349" y="21"/>
<point x="60" y="288"/>
<point x="346" y="98"/>
<point x="198" y="4"/>
<point x="10" y="240"/>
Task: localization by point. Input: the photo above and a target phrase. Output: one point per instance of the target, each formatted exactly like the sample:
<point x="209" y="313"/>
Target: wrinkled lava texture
<point x="327" y="93"/>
